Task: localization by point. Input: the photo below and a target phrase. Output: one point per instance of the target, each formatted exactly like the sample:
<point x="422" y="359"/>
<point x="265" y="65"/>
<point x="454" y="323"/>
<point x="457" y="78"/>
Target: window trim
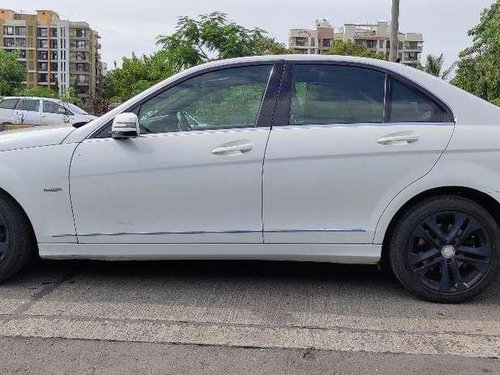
<point x="52" y="102"/>
<point x="20" y="104"/>
<point x="282" y="114"/>
<point x="265" y="116"/>
<point x="15" y="107"/>
<point x="448" y="115"/>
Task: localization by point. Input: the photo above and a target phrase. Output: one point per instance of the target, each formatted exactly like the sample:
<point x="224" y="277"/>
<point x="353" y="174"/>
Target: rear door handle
<point x="403" y="138"/>
<point x="233" y="148"/>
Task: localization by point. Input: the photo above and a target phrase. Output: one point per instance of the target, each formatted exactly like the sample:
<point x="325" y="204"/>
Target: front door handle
<point x="233" y="148"/>
<point x="403" y="138"/>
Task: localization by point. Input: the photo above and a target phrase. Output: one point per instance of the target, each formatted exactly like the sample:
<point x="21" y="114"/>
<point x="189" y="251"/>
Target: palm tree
<point x="393" y="51"/>
<point x="434" y="65"/>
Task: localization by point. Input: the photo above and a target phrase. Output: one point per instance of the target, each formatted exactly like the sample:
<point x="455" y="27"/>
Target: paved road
<point x="346" y="314"/>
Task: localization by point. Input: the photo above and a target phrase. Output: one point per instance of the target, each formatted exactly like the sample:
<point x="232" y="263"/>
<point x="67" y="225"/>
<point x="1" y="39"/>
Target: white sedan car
<point x="19" y="111"/>
<point x="306" y="158"/>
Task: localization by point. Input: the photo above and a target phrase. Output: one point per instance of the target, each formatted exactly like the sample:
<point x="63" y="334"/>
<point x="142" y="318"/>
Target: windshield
<point x="73" y="108"/>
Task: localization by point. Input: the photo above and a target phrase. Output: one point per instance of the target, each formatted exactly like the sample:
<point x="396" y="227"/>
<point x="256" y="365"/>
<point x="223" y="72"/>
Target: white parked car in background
<point x="17" y="111"/>
<point x="313" y="158"/>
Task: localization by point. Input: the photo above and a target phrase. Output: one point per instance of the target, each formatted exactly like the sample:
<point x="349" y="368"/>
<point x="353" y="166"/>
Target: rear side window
<point x="8" y="103"/>
<point x="335" y="94"/>
<point x="29" y="105"/>
<point x="410" y="105"/>
<point x="51" y="107"/>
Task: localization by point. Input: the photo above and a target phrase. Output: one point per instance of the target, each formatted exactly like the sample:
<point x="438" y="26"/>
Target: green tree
<point x="38" y="91"/>
<point x="12" y="73"/>
<point x="213" y="37"/>
<point x="195" y="41"/>
<point x="479" y="66"/>
<point x="352" y="49"/>
<point x="434" y="65"/>
<point x="136" y="75"/>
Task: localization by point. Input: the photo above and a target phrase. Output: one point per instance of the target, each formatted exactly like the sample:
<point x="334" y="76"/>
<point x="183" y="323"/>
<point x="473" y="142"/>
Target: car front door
<point x="195" y="173"/>
<point x="53" y="114"/>
<point x="347" y="140"/>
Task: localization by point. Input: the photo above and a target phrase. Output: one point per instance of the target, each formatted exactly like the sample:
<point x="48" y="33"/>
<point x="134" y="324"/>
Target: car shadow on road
<point x="250" y="292"/>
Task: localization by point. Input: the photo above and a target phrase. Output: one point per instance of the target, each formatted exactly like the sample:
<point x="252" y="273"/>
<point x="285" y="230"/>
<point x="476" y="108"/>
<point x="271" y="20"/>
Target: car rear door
<point x="346" y="140"/>
<point x="195" y="173"/>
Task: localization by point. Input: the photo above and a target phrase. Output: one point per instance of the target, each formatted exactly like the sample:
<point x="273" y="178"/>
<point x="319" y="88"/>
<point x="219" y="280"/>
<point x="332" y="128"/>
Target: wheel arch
<point x="7" y="195"/>
<point x="483" y="199"/>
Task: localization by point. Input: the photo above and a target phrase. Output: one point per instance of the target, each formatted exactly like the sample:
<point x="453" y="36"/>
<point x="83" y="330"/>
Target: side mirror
<point x="125" y="125"/>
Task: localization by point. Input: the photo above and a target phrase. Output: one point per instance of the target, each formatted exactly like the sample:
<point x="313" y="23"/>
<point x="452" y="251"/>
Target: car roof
<point x="58" y="101"/>
<point x="33" y="98"/>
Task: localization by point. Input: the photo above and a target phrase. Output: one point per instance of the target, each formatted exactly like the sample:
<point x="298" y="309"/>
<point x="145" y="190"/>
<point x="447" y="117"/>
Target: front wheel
<point x="446" y="249"/>
<point x="17" y="242"/>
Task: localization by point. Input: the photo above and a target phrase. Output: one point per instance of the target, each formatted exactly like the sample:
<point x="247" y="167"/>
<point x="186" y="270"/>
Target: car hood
<point x="33" y="137"/>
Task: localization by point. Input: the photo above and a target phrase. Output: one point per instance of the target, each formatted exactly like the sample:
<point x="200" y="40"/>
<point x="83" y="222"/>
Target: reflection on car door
<point x="195" y="173"/>
<point x="348" y="140"/>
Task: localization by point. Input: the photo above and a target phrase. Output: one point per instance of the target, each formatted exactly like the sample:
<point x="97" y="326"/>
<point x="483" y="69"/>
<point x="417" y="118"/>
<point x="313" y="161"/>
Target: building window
<point x="301" y="42"/>
<point x="22" y="54"/>
<point x="42" y="55"/>
<point x="82" y="78"/>
<point x="43" y="43"/>
<point x="411" y="45"/>
<point x="42" y="32"/>
<point x="42" y="77"/>
<point x="20" y="30"/>
<point x="381" y="44"/>
<point x="9" y="42"/>
<point x="326" y="43"/>
<point x="371" y="44"/>
<point x="21" y="42"/>
<point x="81" y="56"/>
<point x="53" y="32"/>
<point x="43" y="66"/>
<point x="313" y="42"/>
<point x="80" y="67"/>
<point x="53" y="55"/>
<point x="8" y="30"/>
<point x="53" y="43"/>
<point x="81" y="33"/>
<point x="82" y="44"/>
<point x="54" y="66"/>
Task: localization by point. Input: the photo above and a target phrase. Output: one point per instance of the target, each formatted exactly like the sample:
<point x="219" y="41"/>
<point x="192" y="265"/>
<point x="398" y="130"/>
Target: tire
<point x="17" y="241"/>
<point x="446" y="249"/>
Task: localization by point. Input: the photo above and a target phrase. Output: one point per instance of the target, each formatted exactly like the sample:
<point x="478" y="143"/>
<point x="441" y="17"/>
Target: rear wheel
<point x="17" y="242"/>
<point x="446" y="249"/>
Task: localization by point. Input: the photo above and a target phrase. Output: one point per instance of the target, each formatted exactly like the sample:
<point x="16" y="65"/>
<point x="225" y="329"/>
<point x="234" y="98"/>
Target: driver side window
<point x="227" y="98"/>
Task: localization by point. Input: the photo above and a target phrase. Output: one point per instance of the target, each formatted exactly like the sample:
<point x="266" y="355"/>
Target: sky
<point x="128" y="26"/>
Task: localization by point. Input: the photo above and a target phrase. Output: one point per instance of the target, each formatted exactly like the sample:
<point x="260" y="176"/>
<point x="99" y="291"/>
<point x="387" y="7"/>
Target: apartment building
<point x="57" y="53"/>
<point x="376" y="37"/>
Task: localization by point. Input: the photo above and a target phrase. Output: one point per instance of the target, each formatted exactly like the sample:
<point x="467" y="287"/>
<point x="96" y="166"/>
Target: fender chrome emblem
<point x="52" y="190"/>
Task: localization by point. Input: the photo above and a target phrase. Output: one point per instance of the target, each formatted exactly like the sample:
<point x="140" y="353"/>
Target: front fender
<point x="38" y="179"/>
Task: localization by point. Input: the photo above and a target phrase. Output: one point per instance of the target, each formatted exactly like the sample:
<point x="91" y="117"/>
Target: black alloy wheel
<point x="446" y="249"/>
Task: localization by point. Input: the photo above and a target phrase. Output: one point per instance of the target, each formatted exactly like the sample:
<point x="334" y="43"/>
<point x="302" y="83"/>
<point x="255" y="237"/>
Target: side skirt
<point x="332" y="253"/>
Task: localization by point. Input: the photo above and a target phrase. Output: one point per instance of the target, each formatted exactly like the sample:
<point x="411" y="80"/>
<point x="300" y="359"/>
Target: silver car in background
<point x="17" y="112"/>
